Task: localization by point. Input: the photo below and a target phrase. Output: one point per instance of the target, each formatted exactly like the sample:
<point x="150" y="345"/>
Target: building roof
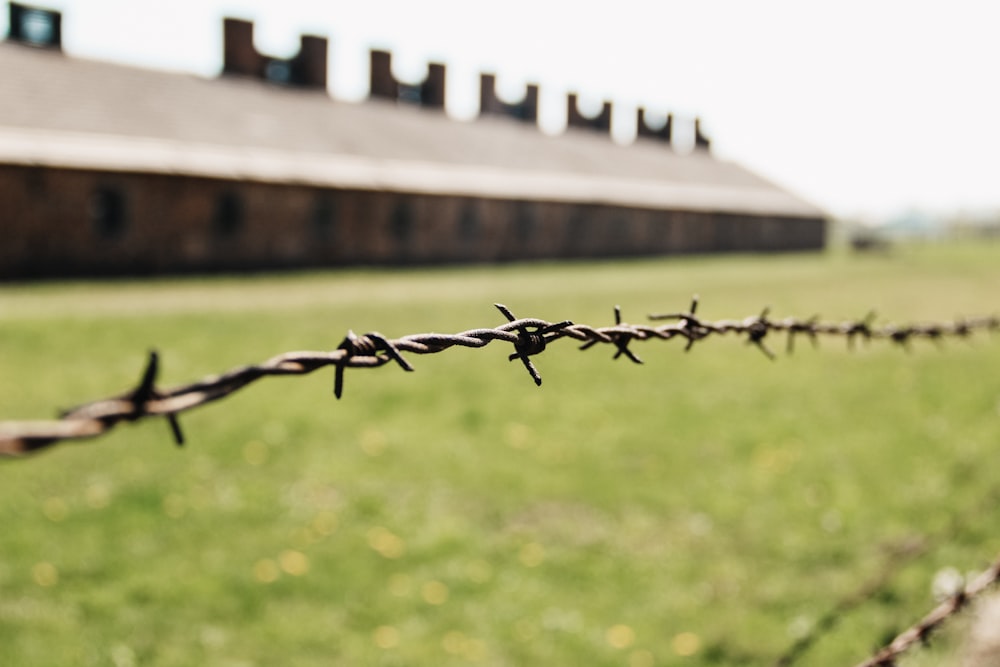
<point x="62" y="111"/>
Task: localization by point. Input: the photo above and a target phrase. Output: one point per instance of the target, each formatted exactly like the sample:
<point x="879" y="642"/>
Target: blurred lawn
<point x="705" y="508"/>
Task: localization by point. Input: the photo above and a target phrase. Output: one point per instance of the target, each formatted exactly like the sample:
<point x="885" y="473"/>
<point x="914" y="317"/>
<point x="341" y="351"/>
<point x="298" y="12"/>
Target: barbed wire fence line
<point x="896" y="557"/>
<point x="920" y="632"/>
<point x="529" y="338"/>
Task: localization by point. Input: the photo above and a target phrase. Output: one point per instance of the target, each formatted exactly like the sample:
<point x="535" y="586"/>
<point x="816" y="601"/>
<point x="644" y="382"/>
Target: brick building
<point x="108" y="169"/>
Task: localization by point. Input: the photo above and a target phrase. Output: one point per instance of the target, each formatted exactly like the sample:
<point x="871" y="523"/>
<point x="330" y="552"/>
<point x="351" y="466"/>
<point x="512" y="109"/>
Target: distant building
<point x="108" y="169"/>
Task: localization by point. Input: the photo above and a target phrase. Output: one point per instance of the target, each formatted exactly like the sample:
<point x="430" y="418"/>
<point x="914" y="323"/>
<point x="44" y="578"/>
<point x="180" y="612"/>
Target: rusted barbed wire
<point x="529" y="337"/>
<point x="897" y="555"/>
<point x="920" y="632"/>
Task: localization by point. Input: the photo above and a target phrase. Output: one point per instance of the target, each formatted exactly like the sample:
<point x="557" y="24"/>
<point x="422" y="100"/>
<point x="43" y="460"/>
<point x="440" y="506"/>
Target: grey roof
<point x="63" y="111"/>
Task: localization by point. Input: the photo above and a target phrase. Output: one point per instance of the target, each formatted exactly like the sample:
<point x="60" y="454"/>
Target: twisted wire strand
<point x="528" y="336"/>
<point x="920" y="632"/>
<point x="896" y="557"/>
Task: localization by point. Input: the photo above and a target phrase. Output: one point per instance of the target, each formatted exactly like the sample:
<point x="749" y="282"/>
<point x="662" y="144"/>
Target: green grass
<point x="712" y="503"/>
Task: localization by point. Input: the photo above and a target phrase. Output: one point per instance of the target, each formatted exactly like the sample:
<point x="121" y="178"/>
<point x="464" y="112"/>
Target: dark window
<point x="468" y="223"/>
<point x="620" y="231"/>
<point x="525" y="221"/>
<point x="621" y="225"/>
<point x="228" y="218"/>
<point x="39" y="27"/>
<point x="323" y="218"/>
<point x="35" y="182"/>
<point x="580" y="228"/>
<point x="409" y="93"/>
<point x="278" y="71"/>
<point x="107" y="213"/>
<point x="401" y="223"/>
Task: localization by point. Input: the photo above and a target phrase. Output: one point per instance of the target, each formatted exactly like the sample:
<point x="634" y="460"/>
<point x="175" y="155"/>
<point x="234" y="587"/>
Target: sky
<point x="866" y="108"/>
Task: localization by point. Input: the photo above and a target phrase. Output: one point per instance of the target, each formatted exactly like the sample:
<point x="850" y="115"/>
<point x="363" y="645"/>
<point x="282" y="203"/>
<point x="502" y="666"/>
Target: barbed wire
<point x="867" y="591"/>
<point x="920" y="632"/>
<point x="896" y="557"/>
<point x="529" y="337"/>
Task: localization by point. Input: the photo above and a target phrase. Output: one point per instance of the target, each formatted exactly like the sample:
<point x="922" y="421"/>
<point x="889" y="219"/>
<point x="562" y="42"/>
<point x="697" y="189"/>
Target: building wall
<point x="59" y="222"/>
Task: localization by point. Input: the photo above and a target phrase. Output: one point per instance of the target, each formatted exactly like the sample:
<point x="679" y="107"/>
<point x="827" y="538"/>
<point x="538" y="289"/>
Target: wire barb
<point x="757" y="329"/>
<point x="690" y="326"/>
<point x="138" y="402"/>
<point x="794" y="327"/>
<point x="623" y="338"/>
<point x="862" y="327"/>
<point x="531" y="340"/>
<point x="348" y="346"/>
<point x="368" y="346"/>
<point x="146" y="391"/>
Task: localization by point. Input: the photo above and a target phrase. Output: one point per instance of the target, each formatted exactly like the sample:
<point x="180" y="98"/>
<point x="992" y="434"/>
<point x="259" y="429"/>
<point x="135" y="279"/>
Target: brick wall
<point x="59" y="222"/>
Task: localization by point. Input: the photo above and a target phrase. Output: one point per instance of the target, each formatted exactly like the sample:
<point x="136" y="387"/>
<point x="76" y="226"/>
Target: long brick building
<point x="109" y="169"/>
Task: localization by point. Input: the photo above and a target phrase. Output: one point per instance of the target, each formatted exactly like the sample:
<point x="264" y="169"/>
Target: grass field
<point x="705" y="508"/>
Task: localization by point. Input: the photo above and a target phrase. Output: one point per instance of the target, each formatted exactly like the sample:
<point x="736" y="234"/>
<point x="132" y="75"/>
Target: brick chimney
<point x="701" y="142"/>
<point x="35" y="26"/>
<point x="309" y="64"/>
<point x="239" y="56"/>
<point x="432" y="89"/>
<point x="574" y="118"/>
<point x="643" y="130"/>
<point x="306" y="69"/>
<point x="489" y="103"/>
<point x="383" y="84"/>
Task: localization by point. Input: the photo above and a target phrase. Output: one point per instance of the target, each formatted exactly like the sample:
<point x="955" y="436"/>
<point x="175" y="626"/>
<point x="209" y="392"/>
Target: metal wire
<point x="529" y="337"/>
<point x="897" y="556"/>
<point x="920" y="632"/>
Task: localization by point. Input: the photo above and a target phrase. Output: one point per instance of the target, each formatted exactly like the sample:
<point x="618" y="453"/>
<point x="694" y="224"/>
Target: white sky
<point x="864" y="107"/>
